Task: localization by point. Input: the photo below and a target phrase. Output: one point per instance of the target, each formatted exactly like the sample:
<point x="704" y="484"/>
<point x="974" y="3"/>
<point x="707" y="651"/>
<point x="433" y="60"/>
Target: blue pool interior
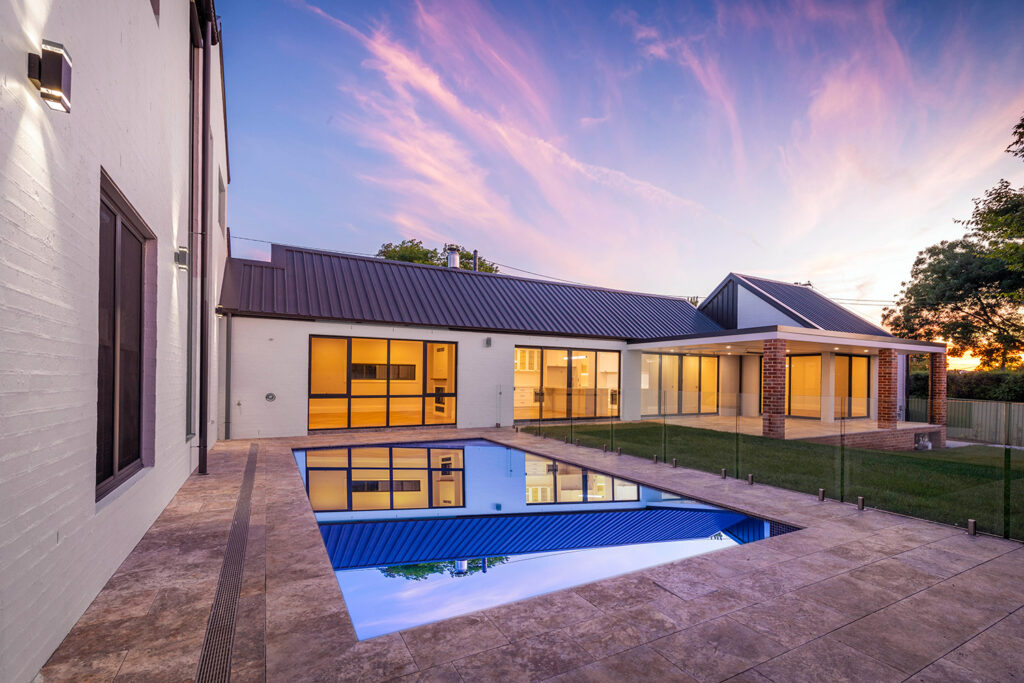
<point x="419" y="532"/>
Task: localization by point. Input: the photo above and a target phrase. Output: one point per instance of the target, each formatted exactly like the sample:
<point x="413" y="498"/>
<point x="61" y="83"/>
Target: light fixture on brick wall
<point x="50" y="71"/>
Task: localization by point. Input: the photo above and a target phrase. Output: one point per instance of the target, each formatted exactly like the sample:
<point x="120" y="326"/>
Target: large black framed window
<point x="557" y="383"/>
<point x="678" y="384"/>
<point x="119" y="367"/>
<point x="852" y="396"/>
<point x="370" y="382"/>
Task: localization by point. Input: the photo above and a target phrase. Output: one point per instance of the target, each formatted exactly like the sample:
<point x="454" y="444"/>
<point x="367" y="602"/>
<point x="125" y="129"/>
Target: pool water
<point x="420" y="532"/>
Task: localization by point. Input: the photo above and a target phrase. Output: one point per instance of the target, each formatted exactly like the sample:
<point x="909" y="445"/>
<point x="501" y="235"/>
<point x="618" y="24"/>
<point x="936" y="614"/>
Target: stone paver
<point x="853" y="596"/>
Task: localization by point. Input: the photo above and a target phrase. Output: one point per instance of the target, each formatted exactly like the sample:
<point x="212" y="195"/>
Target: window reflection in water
<point x="549" y="481"/>
<point x="384" y="478"/>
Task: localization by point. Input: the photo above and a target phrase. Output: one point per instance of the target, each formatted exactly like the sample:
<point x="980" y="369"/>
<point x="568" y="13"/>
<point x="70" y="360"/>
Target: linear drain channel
<point x="215" y="658"/>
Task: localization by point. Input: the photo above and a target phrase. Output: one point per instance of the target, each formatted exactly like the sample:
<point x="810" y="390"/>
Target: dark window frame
<point x="429" y="469"/>
<point x="849" y="386"/>
<point x="347" y="395"/>
<point x="126" y="219"/>
<point x="679" y="380"/>
<point x="568" y="382"/>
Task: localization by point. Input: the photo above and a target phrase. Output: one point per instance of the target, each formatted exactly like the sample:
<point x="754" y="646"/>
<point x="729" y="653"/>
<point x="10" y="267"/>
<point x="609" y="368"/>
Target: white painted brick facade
<point x="130" y="116"/>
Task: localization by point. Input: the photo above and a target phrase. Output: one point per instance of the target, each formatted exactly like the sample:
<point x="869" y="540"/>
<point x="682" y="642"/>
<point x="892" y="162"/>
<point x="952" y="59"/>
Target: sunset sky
<point x="653" y="147"/>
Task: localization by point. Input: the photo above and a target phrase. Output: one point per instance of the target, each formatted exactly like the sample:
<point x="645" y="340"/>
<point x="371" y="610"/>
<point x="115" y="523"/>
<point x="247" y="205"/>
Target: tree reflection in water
<point x="418" y="572"/>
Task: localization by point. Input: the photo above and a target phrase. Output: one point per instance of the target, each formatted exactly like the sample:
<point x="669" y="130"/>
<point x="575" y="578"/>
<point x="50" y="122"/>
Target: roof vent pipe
<point x="453" y="257"/>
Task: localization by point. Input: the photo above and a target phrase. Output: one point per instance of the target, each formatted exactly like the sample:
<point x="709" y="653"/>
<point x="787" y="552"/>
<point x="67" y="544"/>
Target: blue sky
<point x="645" y="146"/>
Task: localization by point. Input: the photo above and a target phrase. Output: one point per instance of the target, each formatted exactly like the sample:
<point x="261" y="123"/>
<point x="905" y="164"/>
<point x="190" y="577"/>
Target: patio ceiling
<point x="799" y="340"/>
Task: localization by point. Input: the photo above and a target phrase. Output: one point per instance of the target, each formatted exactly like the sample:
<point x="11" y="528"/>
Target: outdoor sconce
<point x="50" y="71"/>
<point x="181" y="258"/>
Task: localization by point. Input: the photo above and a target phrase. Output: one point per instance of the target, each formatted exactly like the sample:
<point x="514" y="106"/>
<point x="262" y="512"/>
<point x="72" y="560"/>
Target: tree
<point x="958" y="292"/>
<point x="998" y="217"/>
<point x="413" y="251"/>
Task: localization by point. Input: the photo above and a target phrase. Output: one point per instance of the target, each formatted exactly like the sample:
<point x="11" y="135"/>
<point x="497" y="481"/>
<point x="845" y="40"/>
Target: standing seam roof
<point x="302" y="283"/>
<point x="814" y="306"/>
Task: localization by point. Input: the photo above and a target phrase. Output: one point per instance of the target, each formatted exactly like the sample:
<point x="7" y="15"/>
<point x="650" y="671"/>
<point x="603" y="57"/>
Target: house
<point x="108" y="191"/>
<point x="322" y="340"/>
<point x="132" y="340"/>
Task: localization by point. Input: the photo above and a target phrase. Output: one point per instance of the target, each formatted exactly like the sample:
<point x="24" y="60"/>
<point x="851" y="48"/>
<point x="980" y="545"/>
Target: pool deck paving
<point x="852" y="596"/>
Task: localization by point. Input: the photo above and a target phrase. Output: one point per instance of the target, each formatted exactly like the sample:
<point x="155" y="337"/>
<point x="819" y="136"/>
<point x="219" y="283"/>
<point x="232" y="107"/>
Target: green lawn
<point x="948" y="485"/>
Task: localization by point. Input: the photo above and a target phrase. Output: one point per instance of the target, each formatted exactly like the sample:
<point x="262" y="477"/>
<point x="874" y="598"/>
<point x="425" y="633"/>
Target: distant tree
<point x="998" y="217"/>
<point x="958" y="292"/>
<point x="410" y="251"/>
<point x="413" y="251"/>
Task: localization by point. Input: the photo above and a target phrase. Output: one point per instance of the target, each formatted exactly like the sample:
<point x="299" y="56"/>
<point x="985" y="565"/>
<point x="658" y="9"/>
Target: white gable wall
<point x="753" y="311"/>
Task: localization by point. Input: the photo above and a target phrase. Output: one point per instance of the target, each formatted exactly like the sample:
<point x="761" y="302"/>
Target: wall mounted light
<point x="181" y="258"/>
<point x="50" y="71"/>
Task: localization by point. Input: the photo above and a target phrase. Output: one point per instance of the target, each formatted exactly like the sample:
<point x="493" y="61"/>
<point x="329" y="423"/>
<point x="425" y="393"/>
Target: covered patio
<point x="791" y="383"/>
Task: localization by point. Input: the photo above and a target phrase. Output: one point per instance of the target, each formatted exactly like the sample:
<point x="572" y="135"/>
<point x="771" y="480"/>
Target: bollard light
<point x="972" y="527"/>
<point x="750" y="479"/>
<point x="860" y="502"/>
<point x="821" y="494"/>
<point x="724" y="473"/>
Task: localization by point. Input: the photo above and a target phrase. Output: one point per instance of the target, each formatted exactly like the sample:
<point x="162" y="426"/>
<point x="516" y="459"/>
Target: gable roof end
<point x="808" y="306"/>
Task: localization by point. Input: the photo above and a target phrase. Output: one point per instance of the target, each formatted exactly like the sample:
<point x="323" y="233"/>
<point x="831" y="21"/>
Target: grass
<point x="948" y="485"/>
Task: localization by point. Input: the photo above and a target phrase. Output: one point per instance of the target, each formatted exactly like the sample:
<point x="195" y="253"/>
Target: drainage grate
<point x="215" y="658"/>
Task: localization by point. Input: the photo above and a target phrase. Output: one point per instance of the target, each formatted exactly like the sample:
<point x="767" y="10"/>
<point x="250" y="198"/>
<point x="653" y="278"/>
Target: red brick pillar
<point x="888" y="383"/>
<point x="773" y="389"/>
<point x="937" y="388"/>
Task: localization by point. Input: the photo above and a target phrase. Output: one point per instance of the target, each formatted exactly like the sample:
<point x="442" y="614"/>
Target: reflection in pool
<point x="437" y="530"/>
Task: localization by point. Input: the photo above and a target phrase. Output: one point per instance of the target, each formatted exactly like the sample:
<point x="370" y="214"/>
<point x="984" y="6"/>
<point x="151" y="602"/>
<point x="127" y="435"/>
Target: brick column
<point x="888" y="383"/>
<point x="937" y="388"/>
<point x="773" y="389"/>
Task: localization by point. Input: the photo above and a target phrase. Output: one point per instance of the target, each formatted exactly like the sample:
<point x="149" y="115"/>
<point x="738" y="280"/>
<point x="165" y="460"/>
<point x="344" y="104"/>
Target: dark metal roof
<point x="375" y="544"/>
<point x="302" y="283"/>
<point x="809" y="307"/>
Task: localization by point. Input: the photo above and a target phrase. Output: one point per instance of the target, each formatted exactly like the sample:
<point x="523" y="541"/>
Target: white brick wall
<point x="273" y="356"/>
<point x="130" y="116"/>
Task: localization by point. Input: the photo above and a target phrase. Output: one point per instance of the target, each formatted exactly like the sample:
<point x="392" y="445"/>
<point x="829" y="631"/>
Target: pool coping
<point x="763" y="596"/>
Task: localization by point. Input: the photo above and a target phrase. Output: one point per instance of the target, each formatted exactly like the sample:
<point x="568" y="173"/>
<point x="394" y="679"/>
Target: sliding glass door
<point x="673" y="384"/>
<point x="559" y="383"/>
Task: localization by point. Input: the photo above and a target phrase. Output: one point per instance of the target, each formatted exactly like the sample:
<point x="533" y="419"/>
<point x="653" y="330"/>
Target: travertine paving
<point x="852" y="596"/>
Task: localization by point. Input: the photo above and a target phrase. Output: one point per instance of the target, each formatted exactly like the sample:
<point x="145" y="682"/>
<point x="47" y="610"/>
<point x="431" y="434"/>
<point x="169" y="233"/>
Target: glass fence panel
<point x="805" y="456"/>
<point x="1013" y="484"/>
<point x="917" y="476"/>
<point x="697" y="441"/>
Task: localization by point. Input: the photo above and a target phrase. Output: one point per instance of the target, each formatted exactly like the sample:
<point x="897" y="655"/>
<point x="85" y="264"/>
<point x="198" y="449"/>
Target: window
<point x="559" y="383"/>
<point x="550" y="481"/>
<point x="358" y="382"/>
<point x="384" y="478"/>
<point x="120" y="349"/>
<point x="802" y="386"/>
<point x="674" y="384"/>
<point x="852" y="386"/>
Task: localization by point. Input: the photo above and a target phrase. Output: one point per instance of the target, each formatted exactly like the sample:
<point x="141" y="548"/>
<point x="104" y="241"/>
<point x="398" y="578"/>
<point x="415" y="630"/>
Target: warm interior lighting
<point x="50" y="71"/>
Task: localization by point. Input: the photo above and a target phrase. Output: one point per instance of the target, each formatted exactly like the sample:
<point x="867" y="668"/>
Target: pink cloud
<point x="532" y="196"/>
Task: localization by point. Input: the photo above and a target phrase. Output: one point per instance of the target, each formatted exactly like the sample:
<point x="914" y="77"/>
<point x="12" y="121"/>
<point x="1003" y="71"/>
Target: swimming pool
<point x="435" y="530"/>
